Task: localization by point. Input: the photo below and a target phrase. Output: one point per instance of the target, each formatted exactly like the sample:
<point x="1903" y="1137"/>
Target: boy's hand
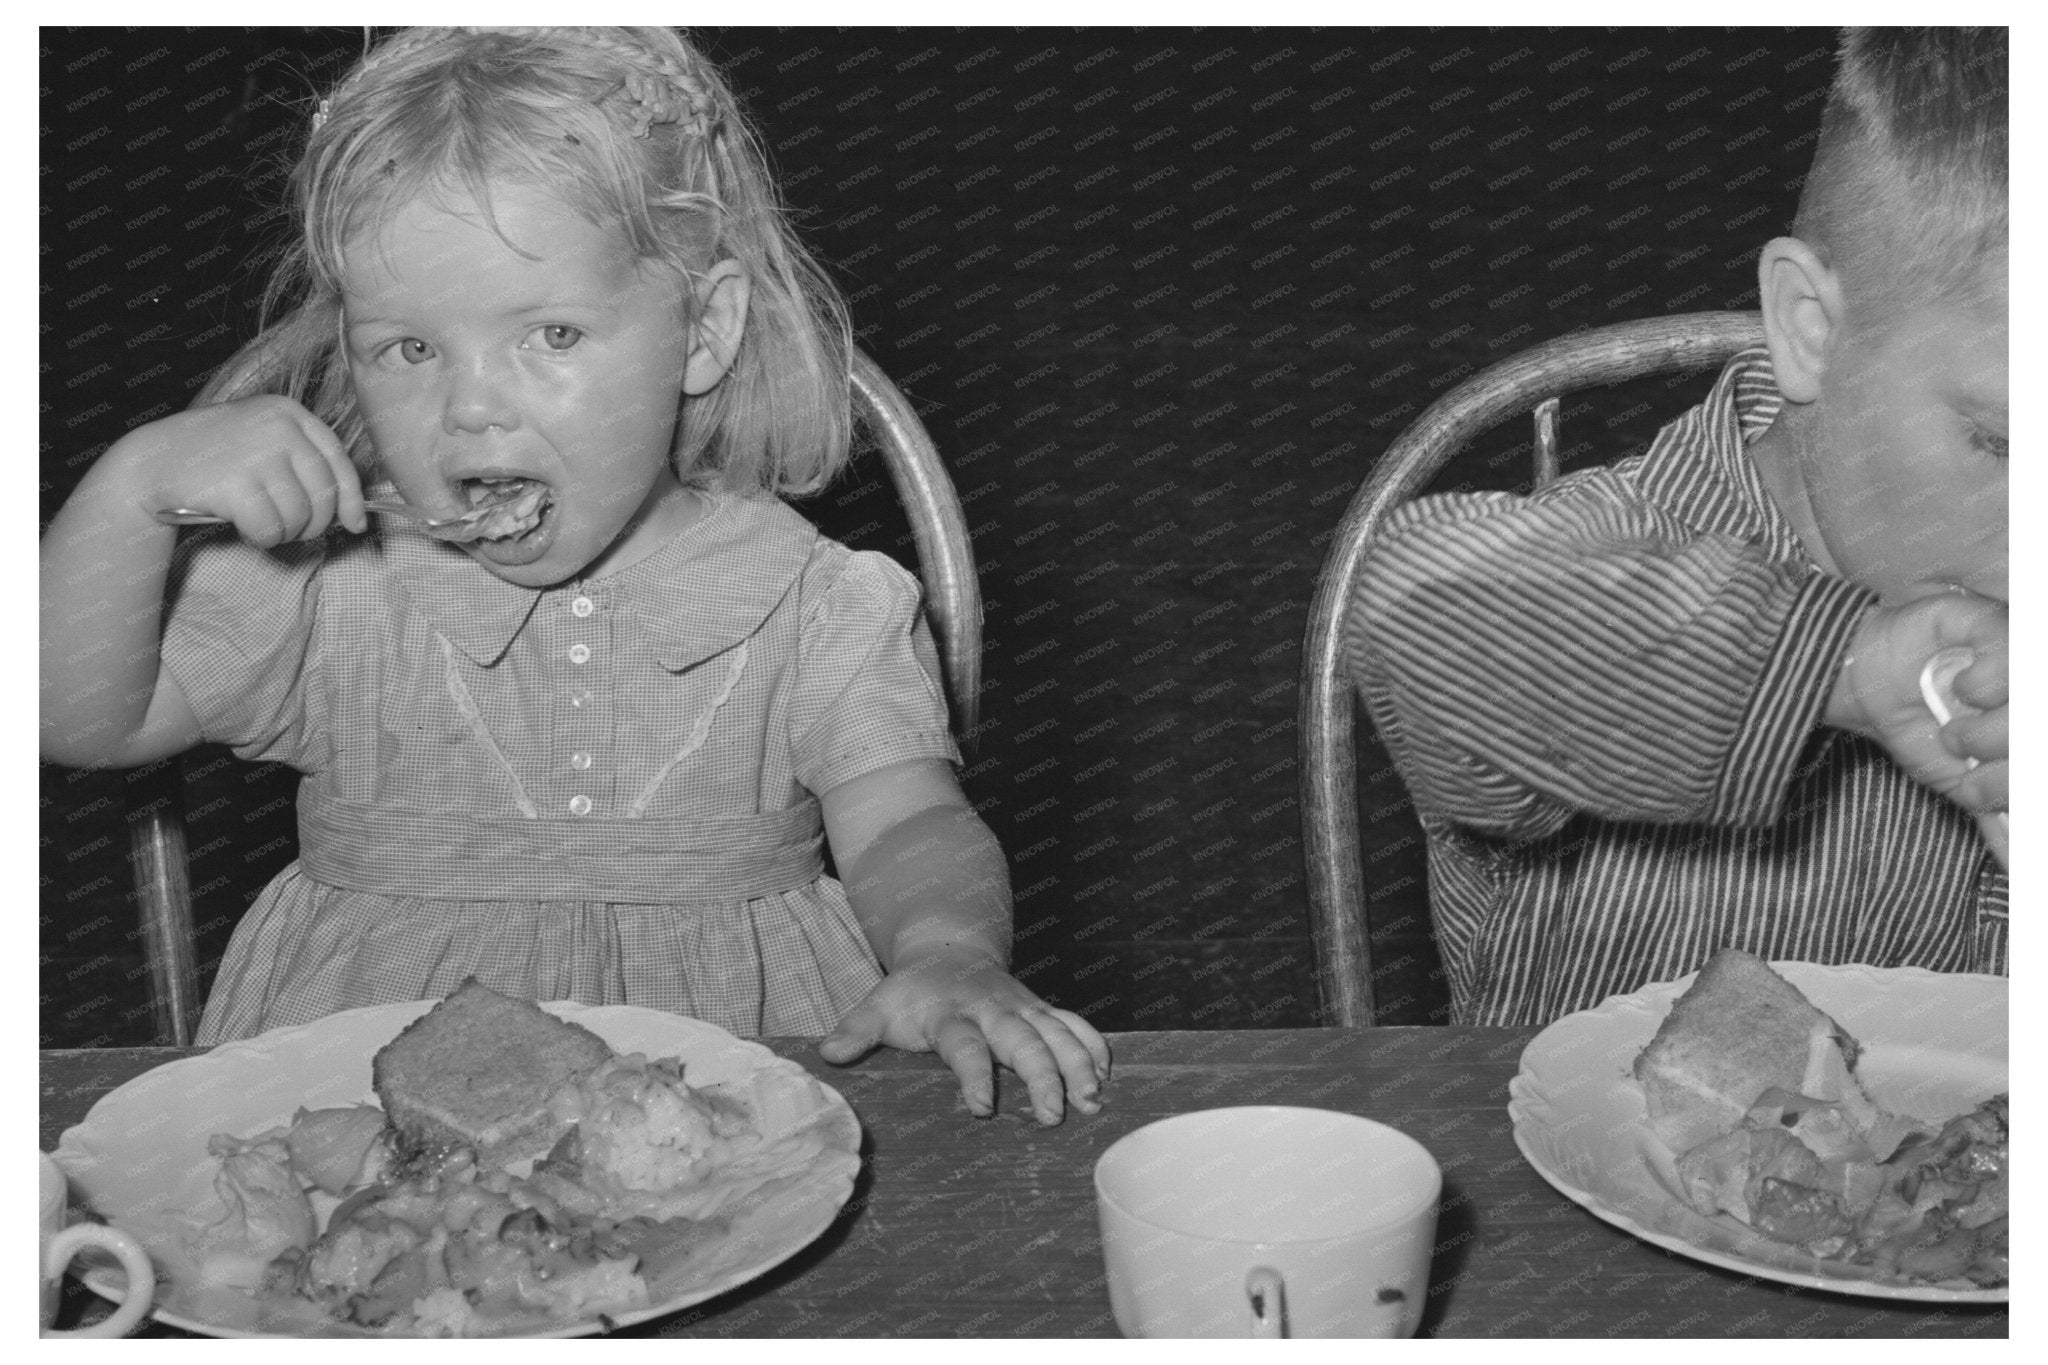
<point x="1877" y="694"/>
<point x="263" y="463"/>
<point x="962" y="1005"/>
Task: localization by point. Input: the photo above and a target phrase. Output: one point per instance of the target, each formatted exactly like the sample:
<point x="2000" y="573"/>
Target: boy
<point x="1675" y="703"/>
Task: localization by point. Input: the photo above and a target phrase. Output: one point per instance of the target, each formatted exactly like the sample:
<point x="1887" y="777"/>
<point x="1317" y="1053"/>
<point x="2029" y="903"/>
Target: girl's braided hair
<point x="635" y="130"/>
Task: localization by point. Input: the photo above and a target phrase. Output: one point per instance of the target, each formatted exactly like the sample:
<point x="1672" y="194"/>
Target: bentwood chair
<point x="1535" y="379"/>
<point x="938" y="523"/>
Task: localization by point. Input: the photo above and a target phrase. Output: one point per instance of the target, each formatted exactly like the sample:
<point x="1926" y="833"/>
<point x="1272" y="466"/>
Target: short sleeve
<point x="869" y="693"/>
<point x="240" y="639"/>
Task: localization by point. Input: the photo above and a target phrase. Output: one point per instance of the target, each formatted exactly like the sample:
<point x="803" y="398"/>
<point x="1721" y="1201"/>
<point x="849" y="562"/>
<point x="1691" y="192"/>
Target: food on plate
<point x="518" y="1175"/>
<point x="1755" y="1092"/>
<point x="266" y="1213"/>
<point x="339" y="1148"/>
<point x="1739" y="1030"/>
<point x="477" y="1071"/>
<point x="637" y="1141"/>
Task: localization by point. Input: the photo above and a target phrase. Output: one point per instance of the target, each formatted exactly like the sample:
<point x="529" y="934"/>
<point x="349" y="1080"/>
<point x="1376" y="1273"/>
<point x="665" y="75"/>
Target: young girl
<point x="588" y="746"/>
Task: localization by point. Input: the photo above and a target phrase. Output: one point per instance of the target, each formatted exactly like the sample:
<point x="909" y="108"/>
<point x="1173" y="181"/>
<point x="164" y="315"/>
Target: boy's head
<point x="1886" y="317"/>
<point x="1906" y="197"/>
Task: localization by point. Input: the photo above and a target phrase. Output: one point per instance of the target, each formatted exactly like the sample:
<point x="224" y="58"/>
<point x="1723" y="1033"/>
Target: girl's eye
<point x="560" y="336"/>
<point x="413" y="351"/>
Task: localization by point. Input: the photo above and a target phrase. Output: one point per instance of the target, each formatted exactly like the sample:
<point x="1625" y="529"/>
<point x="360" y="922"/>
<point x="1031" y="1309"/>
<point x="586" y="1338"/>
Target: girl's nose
<point x="478" y="399"/>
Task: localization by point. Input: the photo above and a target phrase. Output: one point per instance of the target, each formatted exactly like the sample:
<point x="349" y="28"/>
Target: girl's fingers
<point x="1020" y="1046"/>
<point x="316" y="480"/>
<point x="859" y="1033"/>
<point x="959" y="1043"/>
<point x="286" y="471"/>
<point x="1079" y="1072"/>
<point x="259" y="519"/>
<point x="347" y="483"/>
<point x="1096" y="1045"/>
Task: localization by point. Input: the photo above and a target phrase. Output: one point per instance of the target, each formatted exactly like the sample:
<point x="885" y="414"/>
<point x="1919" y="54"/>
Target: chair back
<point x="1534" y="381"/>
<point x="157" y="844"/>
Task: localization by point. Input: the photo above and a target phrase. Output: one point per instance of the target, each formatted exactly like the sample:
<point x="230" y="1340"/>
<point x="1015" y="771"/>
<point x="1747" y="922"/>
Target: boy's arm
<point x="1526" y="660"/>
<point x="930" y="887"/>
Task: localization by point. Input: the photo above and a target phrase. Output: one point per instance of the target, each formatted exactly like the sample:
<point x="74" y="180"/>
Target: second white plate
<point x="1934" y="1045"/>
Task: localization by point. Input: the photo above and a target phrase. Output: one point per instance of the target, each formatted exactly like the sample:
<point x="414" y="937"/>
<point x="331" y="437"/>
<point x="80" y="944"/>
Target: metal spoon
<point x="1937" y="689"/>
<point x="1937" y="685"/>
<point x="448" y="528"/>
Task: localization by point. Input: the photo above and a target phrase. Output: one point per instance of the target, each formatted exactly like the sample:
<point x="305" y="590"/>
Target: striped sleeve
<point x="1994" y="896"/>
<point x="1529" y="659"/>
<point x="1789" y="699"/>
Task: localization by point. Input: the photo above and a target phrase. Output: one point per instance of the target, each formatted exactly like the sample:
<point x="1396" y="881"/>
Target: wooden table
<point x="963" y="1227"/>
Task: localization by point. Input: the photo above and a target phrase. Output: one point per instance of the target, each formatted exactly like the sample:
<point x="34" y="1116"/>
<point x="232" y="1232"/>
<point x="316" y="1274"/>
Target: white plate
<point x="139" y="1159"/>
<point x="1934" y="1045"/>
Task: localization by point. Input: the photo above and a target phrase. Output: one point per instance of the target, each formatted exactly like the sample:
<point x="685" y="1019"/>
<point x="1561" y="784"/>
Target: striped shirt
<point x="602" y="791"/>
<point x="1606" y="700"/>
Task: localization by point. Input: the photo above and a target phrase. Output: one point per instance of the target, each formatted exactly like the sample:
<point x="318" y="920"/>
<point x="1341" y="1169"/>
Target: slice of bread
<point x="476" y="1071"/>
<point x="1737" y="1031"/>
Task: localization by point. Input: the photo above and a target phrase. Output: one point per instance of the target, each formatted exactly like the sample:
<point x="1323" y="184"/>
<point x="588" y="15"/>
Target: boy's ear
<point x="1802" y="307"/>
<point x="721" y="319"/>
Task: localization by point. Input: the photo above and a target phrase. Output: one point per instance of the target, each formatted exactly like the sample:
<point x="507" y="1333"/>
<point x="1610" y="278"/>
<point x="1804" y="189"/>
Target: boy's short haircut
<point x="1907" y="193"/>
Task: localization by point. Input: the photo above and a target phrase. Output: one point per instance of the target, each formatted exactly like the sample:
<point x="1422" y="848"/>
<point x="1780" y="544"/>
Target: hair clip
<point x="320" y="114"/>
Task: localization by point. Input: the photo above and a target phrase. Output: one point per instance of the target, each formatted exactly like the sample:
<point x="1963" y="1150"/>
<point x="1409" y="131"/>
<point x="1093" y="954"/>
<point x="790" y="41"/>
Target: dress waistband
<point x="449" y="856"/>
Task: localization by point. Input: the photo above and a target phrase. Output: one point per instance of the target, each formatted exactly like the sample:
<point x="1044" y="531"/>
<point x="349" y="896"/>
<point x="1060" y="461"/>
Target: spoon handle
<point x="190" y="516"/>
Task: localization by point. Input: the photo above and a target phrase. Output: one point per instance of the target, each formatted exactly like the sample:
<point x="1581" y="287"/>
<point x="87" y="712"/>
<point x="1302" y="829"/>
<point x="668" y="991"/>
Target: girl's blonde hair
<point x="630" y="127"/>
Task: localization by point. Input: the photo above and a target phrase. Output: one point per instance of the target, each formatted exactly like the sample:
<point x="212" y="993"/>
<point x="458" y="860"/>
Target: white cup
<point x="61" y="1244"/>
<point x="1267" y="1221"/>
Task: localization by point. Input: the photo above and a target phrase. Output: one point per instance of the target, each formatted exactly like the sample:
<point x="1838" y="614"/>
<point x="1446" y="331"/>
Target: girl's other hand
<point x="263" y="463"/>
<point x="962" y="1005"/>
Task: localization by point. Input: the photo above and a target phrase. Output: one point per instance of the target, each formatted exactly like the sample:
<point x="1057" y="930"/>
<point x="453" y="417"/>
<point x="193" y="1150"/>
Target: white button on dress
<point x="581" y="606"/>
<point x="579" y="805"/>
<point x="579" y="654"/>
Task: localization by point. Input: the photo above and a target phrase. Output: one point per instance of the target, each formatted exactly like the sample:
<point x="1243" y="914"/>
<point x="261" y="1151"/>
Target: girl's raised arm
<point x="264" y="464"/>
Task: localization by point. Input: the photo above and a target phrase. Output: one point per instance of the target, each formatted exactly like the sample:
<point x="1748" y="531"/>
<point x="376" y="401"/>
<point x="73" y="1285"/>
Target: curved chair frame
<point x="158" y="853"/>
<point x="1538" y="377"/>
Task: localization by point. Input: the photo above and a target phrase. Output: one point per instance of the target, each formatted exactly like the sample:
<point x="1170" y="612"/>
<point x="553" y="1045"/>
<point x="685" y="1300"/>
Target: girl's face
<point x="547" y="354"/>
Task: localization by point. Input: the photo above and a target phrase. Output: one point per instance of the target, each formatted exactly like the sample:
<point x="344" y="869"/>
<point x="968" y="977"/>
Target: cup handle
<point x="66" y="1245"/>
<point x="1266" y="1293"/>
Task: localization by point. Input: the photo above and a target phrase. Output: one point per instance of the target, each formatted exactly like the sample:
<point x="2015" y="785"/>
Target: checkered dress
<point x="1605" y="700"/>
<point x="603" y="791"/>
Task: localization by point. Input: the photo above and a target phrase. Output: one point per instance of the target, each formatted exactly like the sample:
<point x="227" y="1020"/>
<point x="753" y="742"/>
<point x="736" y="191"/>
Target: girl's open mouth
<point x="503" y="509"/>
<point x="508" y="518"/>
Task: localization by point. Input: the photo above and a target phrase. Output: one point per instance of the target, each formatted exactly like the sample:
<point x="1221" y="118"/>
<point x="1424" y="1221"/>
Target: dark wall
<point x="1161" y="298"/>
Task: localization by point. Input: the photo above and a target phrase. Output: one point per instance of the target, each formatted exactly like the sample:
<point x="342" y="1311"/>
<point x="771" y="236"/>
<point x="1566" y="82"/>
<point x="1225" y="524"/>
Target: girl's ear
<point x="721" y="319"/>
<point x="1803" y="313"/>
